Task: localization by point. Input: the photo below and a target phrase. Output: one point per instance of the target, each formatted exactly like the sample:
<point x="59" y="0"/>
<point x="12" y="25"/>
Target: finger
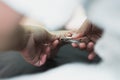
<point x="36" y="58"/>
<point x="84" y="39"/>
<point x="43" y="57"/>
<point x="41" y="61"/>
<point x="48" y="51"/>
<point x="90" y="46"/>
<point x="82" y="45"/>
<point x="55" y="43"/>
<point x="74" y="45"/>
<point x="91" y="56"/>
<point x="76" y="36"/>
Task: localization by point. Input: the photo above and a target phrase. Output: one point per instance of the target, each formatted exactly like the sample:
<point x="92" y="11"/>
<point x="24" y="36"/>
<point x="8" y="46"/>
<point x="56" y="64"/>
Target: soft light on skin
<point x="9" y="20"/>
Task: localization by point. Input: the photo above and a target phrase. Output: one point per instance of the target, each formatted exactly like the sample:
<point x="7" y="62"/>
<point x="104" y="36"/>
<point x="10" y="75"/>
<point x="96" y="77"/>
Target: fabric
<point x="106" y="14"/>
<point x="52" y="13"/>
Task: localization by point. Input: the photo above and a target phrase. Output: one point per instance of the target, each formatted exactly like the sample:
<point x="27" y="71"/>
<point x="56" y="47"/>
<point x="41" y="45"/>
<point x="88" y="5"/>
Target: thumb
<point x="77" y="35"/>
<point x="82" y="30"/>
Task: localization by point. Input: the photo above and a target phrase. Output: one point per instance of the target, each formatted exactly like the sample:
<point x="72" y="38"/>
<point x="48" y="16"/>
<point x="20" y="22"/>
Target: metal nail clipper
<point x="69" y="40"/>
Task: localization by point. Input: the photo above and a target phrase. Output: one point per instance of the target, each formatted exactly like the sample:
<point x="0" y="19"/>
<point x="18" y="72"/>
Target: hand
<point x="41" y="46"/>
<point x="88" y="34"/>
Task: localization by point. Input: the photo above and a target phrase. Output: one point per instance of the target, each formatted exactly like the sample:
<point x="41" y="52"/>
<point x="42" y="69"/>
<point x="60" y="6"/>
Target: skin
<point x="88" y="34"/>
<point x="42" y="45"/>
<point x="25" y="39"/>
<point x="9" y="20"/>
<point x="35" y="43"/>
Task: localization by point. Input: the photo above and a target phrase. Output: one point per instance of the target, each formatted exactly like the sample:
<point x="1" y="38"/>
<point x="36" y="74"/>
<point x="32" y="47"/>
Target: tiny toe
<point x="91" y="56"/>
<point x="74" y="45"/>
<point x="82" y="45"/>
<point x="90" y="46"/>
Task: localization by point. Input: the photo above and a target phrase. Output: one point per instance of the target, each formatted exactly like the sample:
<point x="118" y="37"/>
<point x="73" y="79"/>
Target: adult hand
<point x="88" y="34"/>
<point x="41" y="46"/>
